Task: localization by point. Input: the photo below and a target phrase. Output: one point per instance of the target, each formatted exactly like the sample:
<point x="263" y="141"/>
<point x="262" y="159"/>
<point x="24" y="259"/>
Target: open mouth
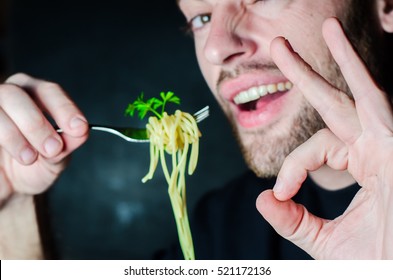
<point x="247" y="100"/>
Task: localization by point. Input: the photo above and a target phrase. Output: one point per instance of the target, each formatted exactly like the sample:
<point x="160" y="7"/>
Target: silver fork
<point x="138" y="135"/>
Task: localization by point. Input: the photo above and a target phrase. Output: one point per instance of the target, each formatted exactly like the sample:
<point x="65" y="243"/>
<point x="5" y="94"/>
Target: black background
<point x="104" y="54"/>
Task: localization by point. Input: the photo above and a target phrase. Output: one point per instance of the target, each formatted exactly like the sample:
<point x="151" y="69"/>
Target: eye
<point x="250" y="2"/>
<point x="258" y="2"/>
<point x="199" y="21"/>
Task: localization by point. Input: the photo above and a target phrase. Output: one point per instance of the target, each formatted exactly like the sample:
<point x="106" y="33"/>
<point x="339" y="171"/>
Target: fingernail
<point x="52" y="146"/>
<point x="77" y="122"/>
<point x="278" y="187"/>
<point x="27" y="155"/>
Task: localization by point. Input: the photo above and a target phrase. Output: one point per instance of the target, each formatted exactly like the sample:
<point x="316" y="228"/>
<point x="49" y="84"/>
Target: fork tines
<point x="202" y="114"/>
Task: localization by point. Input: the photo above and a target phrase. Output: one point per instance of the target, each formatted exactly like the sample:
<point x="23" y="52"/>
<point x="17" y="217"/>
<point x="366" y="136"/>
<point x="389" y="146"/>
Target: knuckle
<point x="8" y="137"/>
<point x="34" y="124"/>
<point x="9" y="91"/>
<point x="68" y="109"/>
<point x="12" y="141"/>
<point x="18" y="77"/>
<point x="323" y="133"/>
<point x="291" y="159"/>
<point x="49" y="88"/>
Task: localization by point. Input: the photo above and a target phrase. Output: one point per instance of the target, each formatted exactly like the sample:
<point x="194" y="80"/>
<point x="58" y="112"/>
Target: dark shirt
<point x="227" y="224"/>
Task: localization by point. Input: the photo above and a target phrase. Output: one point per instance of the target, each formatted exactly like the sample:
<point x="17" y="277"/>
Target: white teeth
<point x="281" y="86"/>
<point x="262" y="90"/>
<point x="255" y="93"/>
<point x="272" y="88"/>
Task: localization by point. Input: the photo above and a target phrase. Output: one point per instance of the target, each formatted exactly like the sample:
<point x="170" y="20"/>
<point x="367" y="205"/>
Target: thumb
<point x="292" y="221"/>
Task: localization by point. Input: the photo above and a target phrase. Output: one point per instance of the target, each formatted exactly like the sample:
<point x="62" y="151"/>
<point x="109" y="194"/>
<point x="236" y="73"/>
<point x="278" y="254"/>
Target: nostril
<point x="224" y="47"/>
<point x="223" y="51"/>
<point x="223" y="44"/>
<point x="233" y="57"/>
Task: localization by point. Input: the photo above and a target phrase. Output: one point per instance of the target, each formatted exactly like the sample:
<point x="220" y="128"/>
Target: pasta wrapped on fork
<point x="178" y="136"/>
<point x="174" y="134"/>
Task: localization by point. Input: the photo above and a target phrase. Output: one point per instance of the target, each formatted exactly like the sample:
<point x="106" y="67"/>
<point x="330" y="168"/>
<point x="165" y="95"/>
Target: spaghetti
<point x="176" y="135"/>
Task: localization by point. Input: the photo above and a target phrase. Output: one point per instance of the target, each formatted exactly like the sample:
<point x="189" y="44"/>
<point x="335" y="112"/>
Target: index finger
<point x="336" y="108"/>
<point x="54" y="100"/>
<point x="372" y="104"/>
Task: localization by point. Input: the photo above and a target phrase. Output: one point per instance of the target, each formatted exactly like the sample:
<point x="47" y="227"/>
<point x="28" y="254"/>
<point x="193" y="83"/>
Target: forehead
<point x="185" y="1"/>
<point x="182" y="2"/>
<point x="191" y="1"/>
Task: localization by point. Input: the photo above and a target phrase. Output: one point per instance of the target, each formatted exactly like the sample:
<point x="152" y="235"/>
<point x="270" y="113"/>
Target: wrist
<point x="19" y="233"/>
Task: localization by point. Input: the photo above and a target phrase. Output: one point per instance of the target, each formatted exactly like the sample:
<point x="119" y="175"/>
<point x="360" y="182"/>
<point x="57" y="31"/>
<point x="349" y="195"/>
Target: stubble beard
<point x="264" y="153"/>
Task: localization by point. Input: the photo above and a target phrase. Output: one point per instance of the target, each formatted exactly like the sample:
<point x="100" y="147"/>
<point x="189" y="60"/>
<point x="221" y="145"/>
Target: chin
<point x="264" y="161"/>
<point x="265" y="150"/>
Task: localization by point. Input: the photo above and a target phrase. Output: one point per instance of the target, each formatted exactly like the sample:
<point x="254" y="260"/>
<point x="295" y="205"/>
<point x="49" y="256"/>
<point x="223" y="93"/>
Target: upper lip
<point x="231" y="87"/>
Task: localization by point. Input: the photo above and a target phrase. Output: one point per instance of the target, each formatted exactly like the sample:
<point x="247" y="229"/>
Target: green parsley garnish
<point x="152" y="105"/>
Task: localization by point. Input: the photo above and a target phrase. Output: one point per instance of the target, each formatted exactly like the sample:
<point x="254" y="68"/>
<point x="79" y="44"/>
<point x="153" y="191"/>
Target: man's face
<point x="232" y="38"/>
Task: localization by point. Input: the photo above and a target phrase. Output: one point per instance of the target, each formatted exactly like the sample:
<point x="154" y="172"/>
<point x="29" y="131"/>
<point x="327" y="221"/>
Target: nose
<point x="225" y="41"/>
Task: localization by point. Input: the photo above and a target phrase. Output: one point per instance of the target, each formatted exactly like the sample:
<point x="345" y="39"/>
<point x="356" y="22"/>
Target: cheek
<point x="306" y="39"/>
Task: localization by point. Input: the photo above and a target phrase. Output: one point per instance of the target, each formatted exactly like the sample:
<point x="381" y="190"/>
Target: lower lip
<point x="267" y="110"/>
